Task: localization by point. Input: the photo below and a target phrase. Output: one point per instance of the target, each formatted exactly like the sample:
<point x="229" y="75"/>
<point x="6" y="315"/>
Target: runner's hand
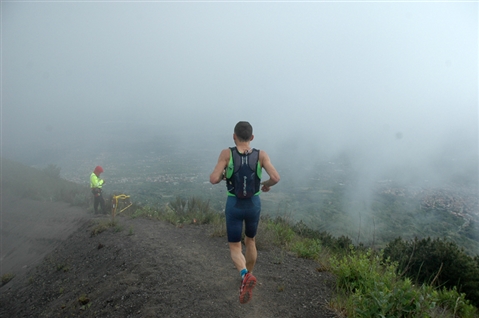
<point x="265" y="188"/>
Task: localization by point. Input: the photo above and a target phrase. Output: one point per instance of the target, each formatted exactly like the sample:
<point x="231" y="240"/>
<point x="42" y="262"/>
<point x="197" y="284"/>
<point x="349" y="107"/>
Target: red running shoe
<point x="246" y="289"/>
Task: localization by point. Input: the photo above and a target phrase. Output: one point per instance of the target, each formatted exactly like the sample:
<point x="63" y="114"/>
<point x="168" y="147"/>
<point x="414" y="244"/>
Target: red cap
<point x="98" y="170"/>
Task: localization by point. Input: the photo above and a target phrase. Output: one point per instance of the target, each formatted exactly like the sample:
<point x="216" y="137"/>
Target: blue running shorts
<point x="239" y="210"/>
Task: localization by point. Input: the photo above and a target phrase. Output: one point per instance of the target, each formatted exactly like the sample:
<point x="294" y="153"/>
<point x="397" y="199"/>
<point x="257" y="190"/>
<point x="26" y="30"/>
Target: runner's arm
<point x="218" y="172"/>
<point x="270" y="170"/>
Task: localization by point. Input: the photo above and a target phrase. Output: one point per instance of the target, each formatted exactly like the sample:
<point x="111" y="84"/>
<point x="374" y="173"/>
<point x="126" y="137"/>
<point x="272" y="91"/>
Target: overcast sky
<point x="396" y="81"/>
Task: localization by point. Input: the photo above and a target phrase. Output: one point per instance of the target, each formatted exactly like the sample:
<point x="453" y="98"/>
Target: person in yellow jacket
<point x="96" y="184"/>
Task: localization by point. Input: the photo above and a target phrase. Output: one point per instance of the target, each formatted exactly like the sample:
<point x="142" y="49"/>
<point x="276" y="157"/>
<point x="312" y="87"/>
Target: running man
<point x="241" y="167"/>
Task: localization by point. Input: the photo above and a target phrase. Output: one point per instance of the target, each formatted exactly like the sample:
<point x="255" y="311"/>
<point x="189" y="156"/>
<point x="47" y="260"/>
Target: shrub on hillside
<point x="471" y="230"/>
<point x="437" y="262"/>
<point x="374" y="289"/>
<point x="338" y="244"/>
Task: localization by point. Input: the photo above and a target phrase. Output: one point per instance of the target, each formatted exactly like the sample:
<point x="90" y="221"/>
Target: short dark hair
<point x="244" y="131"/>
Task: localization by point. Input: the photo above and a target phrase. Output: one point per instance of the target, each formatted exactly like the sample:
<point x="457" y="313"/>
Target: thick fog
<point x="394" y="86"/>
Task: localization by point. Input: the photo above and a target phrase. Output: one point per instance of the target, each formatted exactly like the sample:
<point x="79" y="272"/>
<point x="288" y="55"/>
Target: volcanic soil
<point x="141" y="268"/>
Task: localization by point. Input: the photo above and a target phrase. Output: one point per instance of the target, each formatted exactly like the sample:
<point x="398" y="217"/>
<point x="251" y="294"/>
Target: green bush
<point x="373" y="289"/>
<point x="339" y="244"/>
<point x="7" y="277"/>
<point x="439" y="262"/>
<point x="454" y="302"/>
<point x="307" y="248"/>
<point x="282" y="232"/>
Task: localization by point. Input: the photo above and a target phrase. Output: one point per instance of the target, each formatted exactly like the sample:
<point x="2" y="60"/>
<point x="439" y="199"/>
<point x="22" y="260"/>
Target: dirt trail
<point x="144" y="268"/>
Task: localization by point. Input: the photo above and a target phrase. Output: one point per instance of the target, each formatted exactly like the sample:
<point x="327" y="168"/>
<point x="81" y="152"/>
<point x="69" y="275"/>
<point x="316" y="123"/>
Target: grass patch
<point x="102" y="226"/>
<point x="307" y="248"/>
<point x="84" y="301"/>
<point x="7" y="278"/>
<point x="63" y="267"/>
<point x="279" y="231"/>
<point x="219" y="227"/>
<point x="181" y="212"/>
<point x="117" y="228"/>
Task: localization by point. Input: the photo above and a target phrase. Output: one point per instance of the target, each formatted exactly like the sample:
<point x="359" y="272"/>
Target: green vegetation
<point x="117" y="228"/>
<point x="437" y="262"/>
<point x="83" y="299"/>
<point x="369" y="286"/>
<point x="307" y="248"/>
<point x="104" y="225"/>
<point x="7" y="277"/>
<point x="84" y="302"/>
<point x="180" y="212"/>
<point x="63" y="267"/>
<point x="281" y="232"/>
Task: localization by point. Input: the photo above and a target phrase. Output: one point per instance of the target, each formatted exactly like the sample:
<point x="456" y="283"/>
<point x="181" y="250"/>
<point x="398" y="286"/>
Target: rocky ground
<point x="145" y="268"/>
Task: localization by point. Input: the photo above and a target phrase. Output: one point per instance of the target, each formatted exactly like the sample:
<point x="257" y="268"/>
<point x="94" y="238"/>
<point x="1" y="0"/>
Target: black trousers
<point x="98" y="200"/>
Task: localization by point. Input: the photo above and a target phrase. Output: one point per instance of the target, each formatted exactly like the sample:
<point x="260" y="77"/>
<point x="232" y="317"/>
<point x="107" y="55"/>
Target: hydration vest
<point x="243" y="174"/>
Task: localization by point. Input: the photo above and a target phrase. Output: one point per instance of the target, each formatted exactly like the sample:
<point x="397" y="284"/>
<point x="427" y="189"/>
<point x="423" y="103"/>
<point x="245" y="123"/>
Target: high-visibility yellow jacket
<point x="95" y="182"/>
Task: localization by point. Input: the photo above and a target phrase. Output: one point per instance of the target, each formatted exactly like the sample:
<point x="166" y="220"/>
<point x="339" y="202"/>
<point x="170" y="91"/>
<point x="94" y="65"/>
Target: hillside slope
<point x="144" y="268"/>
<point x="31" y="229"/>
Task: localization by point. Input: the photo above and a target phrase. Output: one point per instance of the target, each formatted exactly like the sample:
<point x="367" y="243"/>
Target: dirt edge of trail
<point x="147" y="268"/>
